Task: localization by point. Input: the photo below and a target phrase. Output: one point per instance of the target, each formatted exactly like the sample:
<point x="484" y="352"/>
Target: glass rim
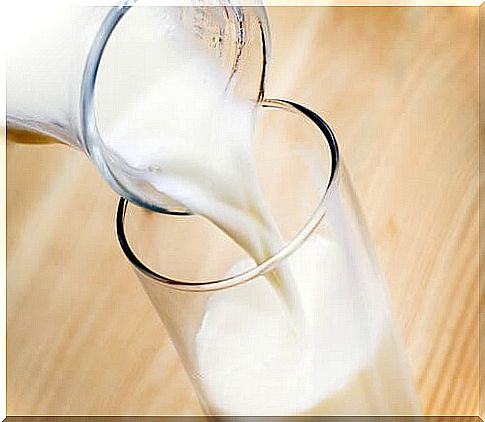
<point x="288" y="247"/>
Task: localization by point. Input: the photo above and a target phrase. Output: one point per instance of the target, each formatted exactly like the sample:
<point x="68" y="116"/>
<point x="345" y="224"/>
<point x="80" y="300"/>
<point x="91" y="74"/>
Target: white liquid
<point x="204" y="159"/>
<point x="249" y="357"/>
<point x="343" y="365"/>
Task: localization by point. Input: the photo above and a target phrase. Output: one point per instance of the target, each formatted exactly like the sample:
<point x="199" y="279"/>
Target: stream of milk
<point x="204" y="160"/>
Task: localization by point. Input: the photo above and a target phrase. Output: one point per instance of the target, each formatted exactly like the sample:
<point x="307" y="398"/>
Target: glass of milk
<point x="305" y="330"/>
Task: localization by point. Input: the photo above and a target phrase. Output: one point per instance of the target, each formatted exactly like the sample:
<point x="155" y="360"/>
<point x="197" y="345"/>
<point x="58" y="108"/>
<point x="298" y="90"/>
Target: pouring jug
<point x="58" y="54"/>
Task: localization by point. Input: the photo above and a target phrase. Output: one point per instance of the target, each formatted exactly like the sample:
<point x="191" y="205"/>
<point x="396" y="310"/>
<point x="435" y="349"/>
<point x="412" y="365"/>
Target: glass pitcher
<point x="57" y="55"/>
<point x="233" y="337"/>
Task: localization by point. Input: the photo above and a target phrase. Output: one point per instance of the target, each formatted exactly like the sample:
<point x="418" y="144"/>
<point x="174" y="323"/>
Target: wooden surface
<point x="482" y="210"/>
<point x="400" y="87"/>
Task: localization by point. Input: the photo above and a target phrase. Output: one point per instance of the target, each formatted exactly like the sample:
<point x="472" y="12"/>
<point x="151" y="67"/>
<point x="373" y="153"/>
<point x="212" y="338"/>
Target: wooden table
<point x="400" y="87"/>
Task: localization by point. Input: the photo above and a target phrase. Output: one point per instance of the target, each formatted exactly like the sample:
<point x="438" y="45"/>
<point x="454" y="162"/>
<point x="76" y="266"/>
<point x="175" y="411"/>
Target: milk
<point x="187" y="134"/>
<point x="291" y="343"/>
<point x="340" y="367"/>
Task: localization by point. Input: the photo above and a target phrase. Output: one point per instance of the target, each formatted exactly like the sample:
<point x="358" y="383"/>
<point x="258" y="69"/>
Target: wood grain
<point x="482" y="210"/>
<point x="400" y="87"/>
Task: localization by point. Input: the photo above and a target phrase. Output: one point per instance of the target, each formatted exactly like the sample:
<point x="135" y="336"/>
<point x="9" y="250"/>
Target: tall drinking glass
<point x="243" y="354"/>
